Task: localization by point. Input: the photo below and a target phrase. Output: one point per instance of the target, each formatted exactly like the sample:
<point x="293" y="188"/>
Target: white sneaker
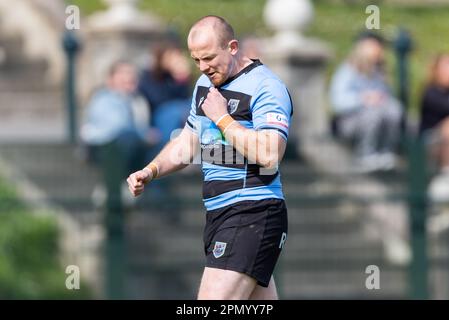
<point x="99" y="196"/>
<point x="128" y="200"/>
<point x="367" y="164"/>
<point x="387" y="161"/>
<point x="439" y="188"/>
<point x="397" y="251"/>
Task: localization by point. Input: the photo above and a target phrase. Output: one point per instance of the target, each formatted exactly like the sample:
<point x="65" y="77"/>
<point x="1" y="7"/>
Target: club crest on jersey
<point x="219" y="249"/>
<point x="233" y="105"/>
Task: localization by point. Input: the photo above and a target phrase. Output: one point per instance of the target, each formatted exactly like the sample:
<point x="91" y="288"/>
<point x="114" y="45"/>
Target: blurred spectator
<point x="366" y="113"/>
<point x="166" y="87"/>
<point x="116" y="115"/>
<point x="434" y="126"/>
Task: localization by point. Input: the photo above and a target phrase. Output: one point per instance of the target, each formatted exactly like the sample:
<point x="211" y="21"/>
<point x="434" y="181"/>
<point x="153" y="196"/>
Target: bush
<point x="29" y="267"/>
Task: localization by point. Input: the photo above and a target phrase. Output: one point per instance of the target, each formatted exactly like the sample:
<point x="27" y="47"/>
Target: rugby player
<point x="239" y="120"/>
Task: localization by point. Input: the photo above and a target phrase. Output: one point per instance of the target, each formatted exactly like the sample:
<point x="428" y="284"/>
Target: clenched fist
<point x="137" y="180"/>
<point x="215" y="105"/>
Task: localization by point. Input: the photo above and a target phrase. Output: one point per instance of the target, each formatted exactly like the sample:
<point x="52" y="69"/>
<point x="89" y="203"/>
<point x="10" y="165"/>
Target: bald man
<point x="239" y="120"/>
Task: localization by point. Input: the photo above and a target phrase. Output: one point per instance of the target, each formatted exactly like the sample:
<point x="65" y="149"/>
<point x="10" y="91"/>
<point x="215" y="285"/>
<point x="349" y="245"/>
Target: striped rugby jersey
<point x="257" y="99"/>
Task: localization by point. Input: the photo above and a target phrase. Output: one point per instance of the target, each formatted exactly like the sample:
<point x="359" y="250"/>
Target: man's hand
<point x="373" y="98"/>
<point x="215" y="106"/>
<point x="137" y="180"/>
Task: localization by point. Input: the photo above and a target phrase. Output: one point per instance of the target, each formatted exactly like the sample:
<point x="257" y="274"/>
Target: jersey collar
<point x="248" y="68"/>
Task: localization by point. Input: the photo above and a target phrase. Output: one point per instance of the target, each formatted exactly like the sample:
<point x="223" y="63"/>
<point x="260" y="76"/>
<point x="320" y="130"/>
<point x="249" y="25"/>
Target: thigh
<point x="262" y="293"/>
<point x="219" y="284"/>
<point x="392" y="111"/>
<point x="350" y="124"/>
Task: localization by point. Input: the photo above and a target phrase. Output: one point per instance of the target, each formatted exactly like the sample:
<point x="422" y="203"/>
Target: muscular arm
<point x="264" y="147"/>
<point x="176" y="155"/>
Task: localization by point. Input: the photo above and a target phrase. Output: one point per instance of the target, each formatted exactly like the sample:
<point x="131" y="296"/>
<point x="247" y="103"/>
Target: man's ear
<point x="233" y="46"/>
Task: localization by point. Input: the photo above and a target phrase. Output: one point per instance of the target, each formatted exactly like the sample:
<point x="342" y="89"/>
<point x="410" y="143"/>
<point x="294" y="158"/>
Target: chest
<point x="238" y="108"/>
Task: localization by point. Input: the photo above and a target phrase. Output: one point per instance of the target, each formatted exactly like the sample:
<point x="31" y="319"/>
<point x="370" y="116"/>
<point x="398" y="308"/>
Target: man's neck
<point x="241" y="63"/>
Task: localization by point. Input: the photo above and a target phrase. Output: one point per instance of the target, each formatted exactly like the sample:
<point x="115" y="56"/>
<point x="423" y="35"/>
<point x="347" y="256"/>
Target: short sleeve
<point x="191" y="119"/>
<point x="271" y="107"/>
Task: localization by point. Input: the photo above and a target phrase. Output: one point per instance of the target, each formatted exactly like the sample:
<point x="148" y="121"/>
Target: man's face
<point x="443" y="72"/>
<point x="373" y="50"/>
<point x="124" y="79"/>
<point x="212" y="59"/>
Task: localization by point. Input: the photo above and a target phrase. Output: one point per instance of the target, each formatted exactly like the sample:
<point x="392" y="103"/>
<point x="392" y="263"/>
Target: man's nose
<point x="203" y="66"/>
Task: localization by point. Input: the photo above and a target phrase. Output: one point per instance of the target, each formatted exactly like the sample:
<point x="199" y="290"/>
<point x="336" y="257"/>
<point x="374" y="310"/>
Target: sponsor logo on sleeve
<point x="277" y="119"/>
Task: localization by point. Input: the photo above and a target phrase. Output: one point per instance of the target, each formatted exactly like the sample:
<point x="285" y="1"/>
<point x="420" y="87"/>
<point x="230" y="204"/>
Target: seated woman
<point x="166" y="88"/>
<point x="365" y="110"/>
<point x="434" y="126"/>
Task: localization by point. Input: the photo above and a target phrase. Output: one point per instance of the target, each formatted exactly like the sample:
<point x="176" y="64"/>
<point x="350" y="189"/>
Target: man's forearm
<point x="176" y="155"/>
<point x="259" y="147"/>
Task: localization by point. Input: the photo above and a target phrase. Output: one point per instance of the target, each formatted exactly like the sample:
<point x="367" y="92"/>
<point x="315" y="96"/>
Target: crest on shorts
<point x="219" y="249"/>
<point x="233" y="105"/>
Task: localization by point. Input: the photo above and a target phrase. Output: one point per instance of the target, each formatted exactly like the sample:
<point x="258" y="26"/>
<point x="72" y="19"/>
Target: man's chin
<point x="216" y="82"/>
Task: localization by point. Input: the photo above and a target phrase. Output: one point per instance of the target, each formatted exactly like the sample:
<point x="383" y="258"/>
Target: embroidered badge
<point x="233" y="105"/>
<point x="219" y="249"/>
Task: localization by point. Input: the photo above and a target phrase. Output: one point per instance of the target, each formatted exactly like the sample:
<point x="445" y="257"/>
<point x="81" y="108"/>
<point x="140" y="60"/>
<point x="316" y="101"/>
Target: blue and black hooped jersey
<point x="258" y="100"/>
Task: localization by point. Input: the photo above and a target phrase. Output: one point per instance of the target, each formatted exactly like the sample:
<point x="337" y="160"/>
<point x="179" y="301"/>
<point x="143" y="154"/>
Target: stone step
<point x="188" y="247"/>
<point x="177" y="282"/>
<point x="160" y="284"/>
<point x="188" y="186"/>
<point x="26" y="77"/>
<point x="324" y="220"/>
<point x="341" y="285"/>
<point x="13" y="50"/>
<point x="37" y="103"/>
<point x="32" y="116"/>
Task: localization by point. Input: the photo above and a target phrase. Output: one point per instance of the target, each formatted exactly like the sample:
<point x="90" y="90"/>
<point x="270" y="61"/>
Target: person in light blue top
<point x="116" y="115"/>
<point x="366" y="112"/>
<point x="238" y="124"/>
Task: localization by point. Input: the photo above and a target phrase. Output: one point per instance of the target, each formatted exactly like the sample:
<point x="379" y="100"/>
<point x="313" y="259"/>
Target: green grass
<point x="335" y="23"/>
<point x="29" y="266"/>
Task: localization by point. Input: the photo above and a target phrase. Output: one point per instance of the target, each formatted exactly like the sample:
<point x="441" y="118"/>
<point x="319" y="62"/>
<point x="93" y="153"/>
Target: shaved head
<point x="214" y="49"/>
<point x="212" y="25"/>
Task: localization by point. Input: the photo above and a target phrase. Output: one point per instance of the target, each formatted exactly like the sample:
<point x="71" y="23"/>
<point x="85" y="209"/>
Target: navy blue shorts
<point x="246" y="237"/>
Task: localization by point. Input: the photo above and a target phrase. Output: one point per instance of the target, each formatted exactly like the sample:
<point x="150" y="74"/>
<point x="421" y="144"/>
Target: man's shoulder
<point x="257" y="81"/>
<point x="203" y="81"/>
<point x="346" y="69"/>
<point x="266" y="80"/>
<point x="105" y="97"/>
<point x="266" y="77"/>
<point x="100" y="95"/>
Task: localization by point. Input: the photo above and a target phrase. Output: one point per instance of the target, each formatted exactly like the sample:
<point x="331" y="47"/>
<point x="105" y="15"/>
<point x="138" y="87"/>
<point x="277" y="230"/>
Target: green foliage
<point x="87" y="6"/>
<point x="29" y="267"/>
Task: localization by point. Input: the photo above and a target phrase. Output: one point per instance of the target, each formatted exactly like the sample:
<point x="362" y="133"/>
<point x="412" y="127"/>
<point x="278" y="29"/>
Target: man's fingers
<point x="136" y="182"/>
<point x="135" y="191"/>
<point x="141" y="175"/>
<point x="133" y="182"/>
